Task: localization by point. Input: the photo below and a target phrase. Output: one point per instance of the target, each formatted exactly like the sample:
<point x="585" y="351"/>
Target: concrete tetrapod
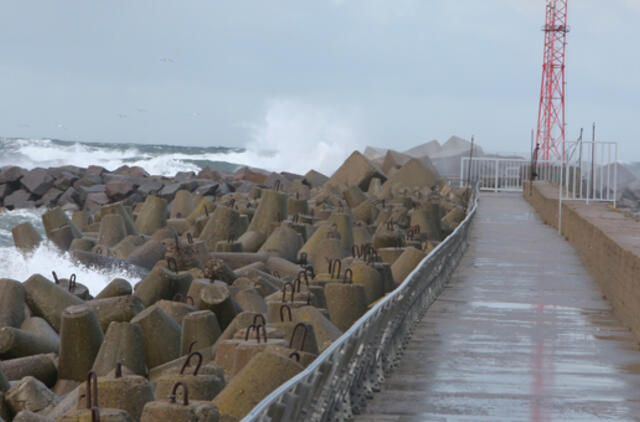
<point x="201" y="386"/>
<point x="162" y="284"/>
<point x="406" y="263"/>
<point x="223" y="224"/>
<point x="346" y="302"/>
<point x="28" y="416"/>
<point x="117" y="287"/>
<point x="39" y="326"/>
<point x="370" y="279"/>
<point x="125" y="392"/>
<point x="112" y="230"/>
<point x="173" y="308"/>
<point x="272" y="209"/>
<point x="199" y="328"/>
<point x="158" y="349"/>
<point x="250" y="300"/>
<point x="450" y="221"/>
<point x="284" y="242"/>
<point x="96" y="414"/>
<point x="12" y="298"/>
<point x="152" y="215"/>
<point x="126" y="246"/>
<point x="25" y="237"/>
<point x="16" y="343"/>
<point x="180" y="409"/>
<point x="343" y="224"/>
<point x="328" y="249"/>
<point x="4" y="382"/>
<point x="30" y="394"/>
<point x="119" y="209"/>
<point x="42" y="367"/>
<point x="217" y="298"/>
<point x="182" y="205"/>
<point x="325" y="331"/>
<point x="119" y="308"/>
<point x="47" y="300"/>
<point x="263" y="374"/>
<point x="80" y="340"/>
<point x="428" y="220"/>
<point x="252" y="240"/>
<point x="122" y="343"/>
<point x="147" y="254"/>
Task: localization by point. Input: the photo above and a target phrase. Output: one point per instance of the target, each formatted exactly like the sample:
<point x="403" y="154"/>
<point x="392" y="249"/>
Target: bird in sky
<point x="166" y="60"/>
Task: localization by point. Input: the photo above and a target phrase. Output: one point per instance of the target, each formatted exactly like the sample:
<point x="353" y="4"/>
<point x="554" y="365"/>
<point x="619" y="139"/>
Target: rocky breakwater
<point x="245" y="279"/>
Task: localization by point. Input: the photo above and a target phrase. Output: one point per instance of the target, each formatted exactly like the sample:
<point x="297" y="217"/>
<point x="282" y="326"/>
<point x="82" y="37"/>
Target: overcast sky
<point x="390" y="73"/>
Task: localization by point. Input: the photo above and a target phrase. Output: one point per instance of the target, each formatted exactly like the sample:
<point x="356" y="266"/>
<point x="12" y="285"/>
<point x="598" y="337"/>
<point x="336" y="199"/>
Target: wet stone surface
<point x="521" y="333"/>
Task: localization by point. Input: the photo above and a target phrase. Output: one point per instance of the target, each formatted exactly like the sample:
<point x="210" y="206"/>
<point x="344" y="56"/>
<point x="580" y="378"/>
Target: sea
<point x="164" y="160"/>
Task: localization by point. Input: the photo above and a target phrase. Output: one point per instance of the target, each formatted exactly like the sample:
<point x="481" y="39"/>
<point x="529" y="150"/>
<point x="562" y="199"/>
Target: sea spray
<point x="47" y="257"/>
<point x="291" y="136"/>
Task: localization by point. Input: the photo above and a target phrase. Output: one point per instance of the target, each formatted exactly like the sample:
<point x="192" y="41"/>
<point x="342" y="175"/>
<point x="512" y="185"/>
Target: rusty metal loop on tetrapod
<point x="174" y="392"/>
<point x="188" y="362"/>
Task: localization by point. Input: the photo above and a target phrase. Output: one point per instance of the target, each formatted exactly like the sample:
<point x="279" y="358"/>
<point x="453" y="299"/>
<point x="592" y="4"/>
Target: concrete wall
<point x="608" y="244"/>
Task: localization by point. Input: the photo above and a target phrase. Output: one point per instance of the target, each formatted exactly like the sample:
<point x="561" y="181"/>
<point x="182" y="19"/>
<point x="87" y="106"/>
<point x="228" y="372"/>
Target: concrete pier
<point x="521" y="333"/>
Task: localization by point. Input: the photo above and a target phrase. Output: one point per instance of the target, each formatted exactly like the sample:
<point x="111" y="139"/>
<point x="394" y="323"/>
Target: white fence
<point x="589" y="172"/>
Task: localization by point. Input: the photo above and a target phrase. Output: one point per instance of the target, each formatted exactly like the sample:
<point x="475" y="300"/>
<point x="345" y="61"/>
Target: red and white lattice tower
<point x="551" y="120"/>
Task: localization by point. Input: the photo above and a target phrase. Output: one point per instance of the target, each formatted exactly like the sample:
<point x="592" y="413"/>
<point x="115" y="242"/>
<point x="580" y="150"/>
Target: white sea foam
<point x="291" y="136"/>
<point x="47" y="257"/>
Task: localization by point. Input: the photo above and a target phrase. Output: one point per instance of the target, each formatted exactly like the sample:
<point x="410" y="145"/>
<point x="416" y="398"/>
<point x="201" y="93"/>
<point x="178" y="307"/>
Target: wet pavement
<point x="521" y="333"/>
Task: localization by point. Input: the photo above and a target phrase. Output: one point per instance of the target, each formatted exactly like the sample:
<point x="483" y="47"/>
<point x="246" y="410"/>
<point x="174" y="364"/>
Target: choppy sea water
<point x="47" y="258"/>
<point x="288" y="142"/>
<point x="165" y="160"/>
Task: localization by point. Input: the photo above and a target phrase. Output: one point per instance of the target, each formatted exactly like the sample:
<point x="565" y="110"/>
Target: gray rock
<point x="11" y="174"/>
<point x="51" y="197"/>
<point x="95" y="170"/>
<point x="37" y="181"/>
<point x="95" y="201"/>
<point x="151" y="187"/>
<point x="207" y="190"/>
<point x="70" y="196"/>
<point x="19" y="199"/>
<point x="65" y="180"/>
<point x="5" y="189"/>
<point x="169" y="191"/>
<point x="118" y="189"/>
<point x="134" y="171"/>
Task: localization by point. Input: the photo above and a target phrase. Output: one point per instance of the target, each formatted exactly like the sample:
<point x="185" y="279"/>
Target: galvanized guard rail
<point x="337" y="383"/>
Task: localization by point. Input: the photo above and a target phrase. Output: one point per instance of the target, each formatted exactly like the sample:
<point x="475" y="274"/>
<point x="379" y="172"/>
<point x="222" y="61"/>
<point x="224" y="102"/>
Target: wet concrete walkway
<point x="521" y="333"/>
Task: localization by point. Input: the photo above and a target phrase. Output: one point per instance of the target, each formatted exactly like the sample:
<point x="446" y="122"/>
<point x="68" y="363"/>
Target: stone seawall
<point x="608" y="244"/>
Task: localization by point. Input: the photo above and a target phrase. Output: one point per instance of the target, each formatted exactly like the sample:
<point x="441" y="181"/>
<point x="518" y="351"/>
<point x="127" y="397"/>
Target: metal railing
<point x="588" y="173"/>
<point x="338" y="382"/>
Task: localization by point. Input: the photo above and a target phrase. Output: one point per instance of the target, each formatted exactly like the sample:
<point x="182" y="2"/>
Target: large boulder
<point x="413" y="174"/>
<point x="314" y="179"/>
<point x="19" y="199"/>
<point x="37" y="181"/>
<point x="120" y="188"/>
<point x="356" y="170"/>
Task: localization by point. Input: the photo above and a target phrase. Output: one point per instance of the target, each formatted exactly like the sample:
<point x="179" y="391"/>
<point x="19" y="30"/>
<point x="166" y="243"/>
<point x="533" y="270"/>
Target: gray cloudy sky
<point x="382" y="72"/>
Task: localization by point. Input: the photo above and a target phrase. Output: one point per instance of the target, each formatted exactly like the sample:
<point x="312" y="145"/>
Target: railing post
<point x="496" y="182"/>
